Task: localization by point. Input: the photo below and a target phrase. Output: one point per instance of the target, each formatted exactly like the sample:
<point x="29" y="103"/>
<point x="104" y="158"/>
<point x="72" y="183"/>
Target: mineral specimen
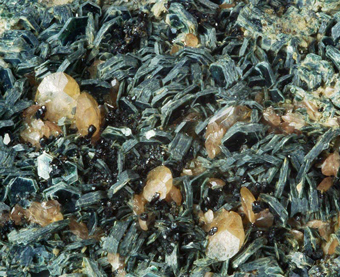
<point x="247" y="200"/>
<point x="59" y="93"/>
<point x="44" y="213"/>
<point x="330" y="166"/>
<point x="229" y="237"/>
<point x="194" y="138"/>
<point x="87" y="114"/>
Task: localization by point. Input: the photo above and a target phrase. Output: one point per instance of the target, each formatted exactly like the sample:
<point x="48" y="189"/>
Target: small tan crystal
<point x="213" y="138"/>
<point x="219" y="124"/>
<point x="59" y="93"/>
<point x="87" y="114"/>
<point x="271" y="117"/>
<point x="138" y="204"/>
<point x="325" y="184"/>
<point x="264" y="219"/>
<point x="36" y="129"/>
<point x="17" y="214"/>
<point x="294" y="120"/>
<point x="216" y="183"/>
<point x="158" y="181"/>
<point x="247" y="199"/>
<point x="190" y="40"/>
<point x="118" y="263"/>
<point x="79" y="229"/>
<point x="228" y="239"/>
<point x="44" y="213"/>
<point x="331" y="165"/>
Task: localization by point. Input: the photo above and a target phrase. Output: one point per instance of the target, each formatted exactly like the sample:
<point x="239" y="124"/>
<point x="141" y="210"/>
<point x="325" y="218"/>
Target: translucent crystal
<point x="59" y="93"/>
<point x="228" y="239"/>
<point x="138" y="204"/>
<point x="159" y="181"/>
<point x="294" y="120"/>
<point x="216" y="183"/>
<point x="264" y="219"/>
<point x="271" y="117"/>
<point x="247" y="199"/>
<point x="17" y="214"/>
<point x="325" y="184"/>
<point x="87" y="114"/>
<point x="36" y="129"/>
<point x="44" y="167"/>
<point x="213" y="138"/>
<point x="79" y="229"/>
<point x="331" y="165"/>
<point x="117" y="263"/>
<point x="44" y="213"/>
<point x="219" y="124"/>
<point x="190" y="40"/>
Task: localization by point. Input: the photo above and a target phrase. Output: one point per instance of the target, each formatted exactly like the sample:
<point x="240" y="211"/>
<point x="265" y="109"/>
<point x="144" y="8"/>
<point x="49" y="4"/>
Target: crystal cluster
<point x="159" y="186"/>
<point x="60" y="96"/>
<point x="43" y="213"/>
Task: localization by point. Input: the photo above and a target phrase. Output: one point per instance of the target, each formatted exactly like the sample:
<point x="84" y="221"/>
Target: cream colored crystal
<point x="247" y="199"/>
<point x="87" y="114"/>
<point x="159" y="181"/>
<point x="294" y="120"/>
<point x="59" y="93"/>
<point x="228" y="239"/>
<point x="213" y="138"/>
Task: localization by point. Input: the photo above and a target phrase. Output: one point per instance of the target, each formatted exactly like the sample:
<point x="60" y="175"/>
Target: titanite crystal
<point x="331" y="165"/>
<point x="190" y="40"/>
<point x="247" y="199"/>
<point x="159" y="181"/>
<point x="264" y="219"/>
<point x="17" y="214"/>
<point x="44" y="213"/>
<point x="35" y="129"/>
<point x="294" y="120"/>
<point x="59" y="93"/>
<point x="213" y="138"/>
<point x="79" y="229"/>
<point x="219" y="124"/>
<point x="216" y="183"/>
<point x="325" y="184"/>
<point x="138" y="204"/>
<point x="87" y="114"/>
<point x="271" y="117"/>
<point x="228" y="239"/>
<point x="117" y="262"/>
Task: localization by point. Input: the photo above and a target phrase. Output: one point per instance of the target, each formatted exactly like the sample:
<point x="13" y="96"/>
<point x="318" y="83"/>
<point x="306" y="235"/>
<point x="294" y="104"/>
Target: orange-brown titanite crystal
<point x="59" y="93"/>
<point x="44" y="213"/>
<point x="159" y="181"/>
<point x="229" y="237"/>
<point x="35" y="129"/>
<point x="219" y="124"/>
<point x="331" y="165"/>
<point x="247" y="200"/>
<point x="87" y="114"/>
